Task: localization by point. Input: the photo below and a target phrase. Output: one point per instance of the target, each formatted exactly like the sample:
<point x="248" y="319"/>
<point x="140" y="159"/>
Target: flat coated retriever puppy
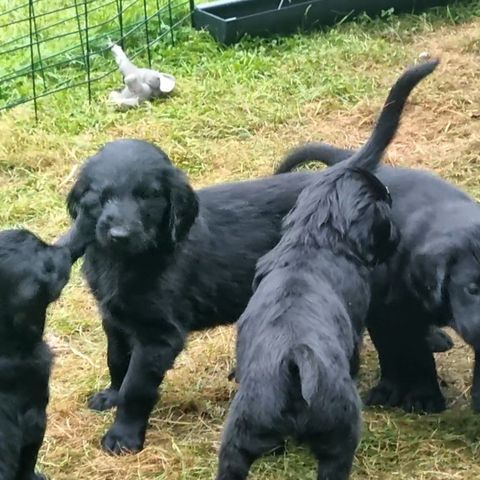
<point x="32" y="275"/>
<point x="438" y="340"/>
<point x="163" y="260"/>
<point x="300" y="335"/>
<point x="432" y="280"/>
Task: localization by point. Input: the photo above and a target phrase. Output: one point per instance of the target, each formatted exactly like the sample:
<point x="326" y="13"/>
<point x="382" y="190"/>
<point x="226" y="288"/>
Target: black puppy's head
<point x="445" y="276"/>
<point x="32" y="275"/>
<point x="349" y="209"/>
<point x="134" y="198"/>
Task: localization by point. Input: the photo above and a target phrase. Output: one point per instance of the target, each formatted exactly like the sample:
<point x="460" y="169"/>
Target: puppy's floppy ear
<point x="374" y="241"/>
<point x="79" y="236"/>
<point x="74" y="197"/>
<point x="386" y="236"/>
<point x="183" y="205"/>
<point x="428" y="273"/>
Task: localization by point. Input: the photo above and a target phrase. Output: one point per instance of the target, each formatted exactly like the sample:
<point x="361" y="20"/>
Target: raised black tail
<point x="371" y="153"/>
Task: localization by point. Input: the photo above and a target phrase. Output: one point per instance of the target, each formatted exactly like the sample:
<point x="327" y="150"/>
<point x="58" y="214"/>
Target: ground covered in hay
<point x="236" y="111"/>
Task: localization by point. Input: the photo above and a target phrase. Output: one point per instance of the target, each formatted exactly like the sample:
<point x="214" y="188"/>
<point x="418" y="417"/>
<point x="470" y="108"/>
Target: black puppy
<point x="165" y="261"/>
<point x="32" y="275"/>
<point x="299" y="337"/>
<point x="432" y="280"/>
<point x="438" y="340"/>
<point x="162" y="261"/>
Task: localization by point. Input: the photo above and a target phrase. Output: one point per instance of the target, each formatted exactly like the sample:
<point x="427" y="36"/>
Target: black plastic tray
<point x="229" y="20"/>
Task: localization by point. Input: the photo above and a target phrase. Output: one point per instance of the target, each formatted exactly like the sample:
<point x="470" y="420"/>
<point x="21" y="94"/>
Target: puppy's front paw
<point x="121" y="439"/>
<point x="232" y="376"/>
<point x="424" y="399"/>
<point x="413" y="399"/>
<point x="476" y="384"/>
<point x="38" y="476"/>
<point x="104" y="400"/>
<point x="476" y="403"/>
<point x="386" y="393"/>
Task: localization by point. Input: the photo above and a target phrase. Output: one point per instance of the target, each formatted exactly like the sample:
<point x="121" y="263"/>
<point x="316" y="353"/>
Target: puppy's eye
<point x="90" y="201"/>
<point x="473" y="289"/>
<point x="105" y="196"/>
<point x="149" y="194"/>
<point x="48" y="266"/>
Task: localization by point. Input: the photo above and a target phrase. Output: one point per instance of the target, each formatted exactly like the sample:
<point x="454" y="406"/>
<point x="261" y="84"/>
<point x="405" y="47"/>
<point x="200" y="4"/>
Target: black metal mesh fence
<point x="47" y="46"/>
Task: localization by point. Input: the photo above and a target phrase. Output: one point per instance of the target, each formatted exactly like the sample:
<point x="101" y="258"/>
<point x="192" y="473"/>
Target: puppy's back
<point x="298" y="354"/>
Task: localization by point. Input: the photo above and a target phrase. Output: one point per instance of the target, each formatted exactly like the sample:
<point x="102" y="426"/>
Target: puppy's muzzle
<point x="119" y="235"/>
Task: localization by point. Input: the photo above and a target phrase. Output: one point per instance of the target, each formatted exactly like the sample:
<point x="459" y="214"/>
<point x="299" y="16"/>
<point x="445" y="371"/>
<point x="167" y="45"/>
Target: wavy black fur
<point x="32" y="275"/>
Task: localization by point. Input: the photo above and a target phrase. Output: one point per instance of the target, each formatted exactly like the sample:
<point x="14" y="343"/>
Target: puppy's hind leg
<point x="335" y="453"/>
<point x="244" y="441"/>
<point x="118" y="358"/>
<point x="335" y="449"/>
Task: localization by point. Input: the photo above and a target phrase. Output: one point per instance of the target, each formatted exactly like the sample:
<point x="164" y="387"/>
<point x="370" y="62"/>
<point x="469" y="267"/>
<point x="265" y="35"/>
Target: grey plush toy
<point x="140" y="83"/>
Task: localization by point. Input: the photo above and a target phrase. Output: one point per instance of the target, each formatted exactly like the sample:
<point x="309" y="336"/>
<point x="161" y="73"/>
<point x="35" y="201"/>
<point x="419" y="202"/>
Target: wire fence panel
<point x="47" y="46"/>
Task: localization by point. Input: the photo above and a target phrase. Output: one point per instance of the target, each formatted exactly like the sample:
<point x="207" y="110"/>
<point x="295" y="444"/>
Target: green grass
<point x="235" y="112"/>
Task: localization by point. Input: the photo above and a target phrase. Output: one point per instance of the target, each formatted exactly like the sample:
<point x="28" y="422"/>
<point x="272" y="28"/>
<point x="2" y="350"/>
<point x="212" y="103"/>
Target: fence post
<point x="147" y="37"/>
<point x="120" y="21"/>
<point x="192" y="8"/>
<point x="87" y="48"/>
<point x="32" y="57"/>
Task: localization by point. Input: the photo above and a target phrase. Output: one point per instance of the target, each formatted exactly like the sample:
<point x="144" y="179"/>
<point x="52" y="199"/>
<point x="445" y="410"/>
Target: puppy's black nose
<point x="118" y="234"/>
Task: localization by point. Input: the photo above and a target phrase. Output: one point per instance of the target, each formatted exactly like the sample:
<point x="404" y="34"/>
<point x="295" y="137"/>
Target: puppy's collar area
<point x="342" y="250"/>
<point x="331" y="241"/>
